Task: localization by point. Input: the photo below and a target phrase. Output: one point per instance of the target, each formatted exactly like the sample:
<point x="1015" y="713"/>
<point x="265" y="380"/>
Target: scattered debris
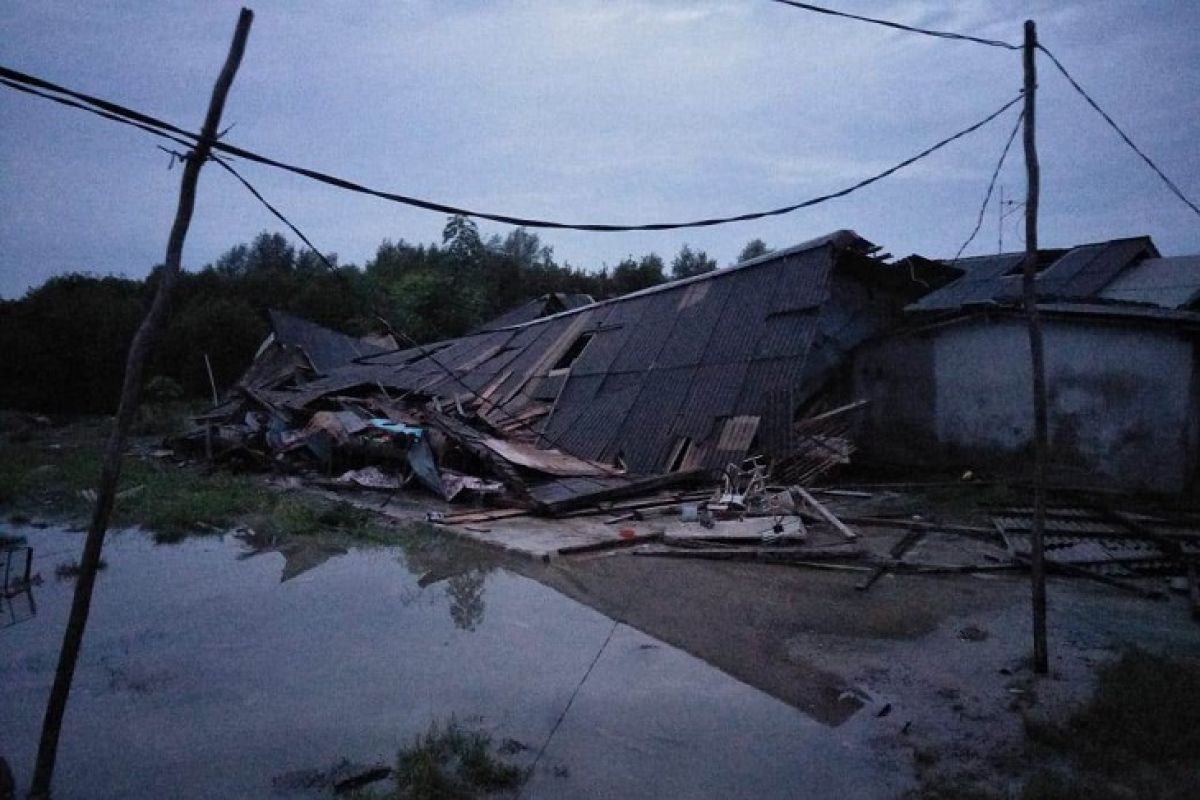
<point x="1118" y="548"/>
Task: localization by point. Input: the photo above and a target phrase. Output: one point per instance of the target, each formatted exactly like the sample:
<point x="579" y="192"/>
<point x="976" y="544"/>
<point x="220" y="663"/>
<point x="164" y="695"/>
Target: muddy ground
<point x="939" y="664"/>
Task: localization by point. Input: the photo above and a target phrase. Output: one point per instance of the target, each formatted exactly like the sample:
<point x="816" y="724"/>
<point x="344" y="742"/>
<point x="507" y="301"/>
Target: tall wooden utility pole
<point x="131" y="391"/>
<point x="1037" y="351"/>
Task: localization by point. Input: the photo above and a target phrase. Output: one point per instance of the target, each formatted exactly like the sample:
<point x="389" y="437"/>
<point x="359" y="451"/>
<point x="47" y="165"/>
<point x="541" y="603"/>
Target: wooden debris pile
<point x="453" y="450"/>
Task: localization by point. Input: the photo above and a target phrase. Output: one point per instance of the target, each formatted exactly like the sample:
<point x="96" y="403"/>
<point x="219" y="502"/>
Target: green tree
<point x="630" y="275"/>
<point x="753" y="249"/>
<point x="691" y="262"/>
<point x="461" y="241"/>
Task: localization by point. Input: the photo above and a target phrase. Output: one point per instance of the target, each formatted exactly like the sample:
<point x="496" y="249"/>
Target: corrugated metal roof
<point x="1079" y="273"/>
<point x="677" y="360"/>
<point x="1085" y="270"/>
<point x="326" y="349"/>
<point x="1166" y="282"/>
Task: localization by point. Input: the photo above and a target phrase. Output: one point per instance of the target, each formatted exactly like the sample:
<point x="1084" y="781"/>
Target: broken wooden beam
<point x="482" y="516"/>
<point x="761" y="554"/>
<point x="610" y="544"/>
<point x="906" y="543"/>
<point x="1065" y="568"/>
<point x="800" y="493"/>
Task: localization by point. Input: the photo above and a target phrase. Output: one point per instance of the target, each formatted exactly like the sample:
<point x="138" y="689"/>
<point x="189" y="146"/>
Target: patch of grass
<point x="452" y="763"/>
<point x="1137" y="738"/>
<point x="1146" y="707"/>
<point x="54" y="471"/>
<point x="293" y="516"/>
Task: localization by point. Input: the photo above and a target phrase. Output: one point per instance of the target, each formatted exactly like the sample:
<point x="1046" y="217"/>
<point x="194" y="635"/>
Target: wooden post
<point x="212" y="382"/>
<point x="1041" y="426"/>
<point x="131" y="387"/>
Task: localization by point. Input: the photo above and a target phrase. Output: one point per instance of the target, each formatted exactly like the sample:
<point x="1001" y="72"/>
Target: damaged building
<point x="951" y="387"/>
<point x="794" y="359"/>
<point x="683" y="378"/>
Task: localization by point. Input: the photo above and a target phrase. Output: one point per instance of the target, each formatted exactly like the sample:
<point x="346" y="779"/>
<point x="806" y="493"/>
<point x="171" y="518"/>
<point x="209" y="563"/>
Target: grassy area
<point x="449" y="763"/>
<point x="49" y="472"/>
<point x="1137" y="738"/>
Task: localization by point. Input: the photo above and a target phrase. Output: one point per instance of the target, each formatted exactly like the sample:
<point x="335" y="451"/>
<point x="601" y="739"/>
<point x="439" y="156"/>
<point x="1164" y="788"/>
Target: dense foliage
<point x="64" y="342"/>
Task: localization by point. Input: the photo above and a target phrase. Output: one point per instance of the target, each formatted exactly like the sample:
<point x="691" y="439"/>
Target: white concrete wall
<point x="1122" y="404"/>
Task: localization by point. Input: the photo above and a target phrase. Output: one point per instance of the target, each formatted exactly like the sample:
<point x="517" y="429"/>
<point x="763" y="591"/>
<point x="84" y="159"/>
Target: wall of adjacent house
<point x="1122" y="400"/>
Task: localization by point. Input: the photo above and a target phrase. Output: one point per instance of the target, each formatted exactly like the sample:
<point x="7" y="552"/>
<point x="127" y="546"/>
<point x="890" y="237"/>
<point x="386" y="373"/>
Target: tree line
<point x="64" y="342"/>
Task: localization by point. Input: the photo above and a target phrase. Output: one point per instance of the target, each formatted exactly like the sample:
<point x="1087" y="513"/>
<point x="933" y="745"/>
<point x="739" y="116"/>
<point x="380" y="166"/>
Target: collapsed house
<point x="794" y="359"/>
<point x="952" y="385"/>
<point x="598" y="399"/>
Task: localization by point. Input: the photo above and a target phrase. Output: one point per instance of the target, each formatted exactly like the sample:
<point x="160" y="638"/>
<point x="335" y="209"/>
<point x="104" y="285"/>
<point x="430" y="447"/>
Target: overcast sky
<point x="614" y="111"/>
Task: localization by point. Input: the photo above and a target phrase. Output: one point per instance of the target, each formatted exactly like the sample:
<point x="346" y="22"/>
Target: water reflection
<point x="16" y="592"/>
<point x="17" y="606"/>
<point x="299" y="555"/>
<point x="466" y="598"/>
<point x="204" y="676"/>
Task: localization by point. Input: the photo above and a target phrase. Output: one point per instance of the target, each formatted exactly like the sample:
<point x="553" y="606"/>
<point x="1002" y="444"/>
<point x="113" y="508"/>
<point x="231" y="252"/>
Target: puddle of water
<point x="203" y="674"/>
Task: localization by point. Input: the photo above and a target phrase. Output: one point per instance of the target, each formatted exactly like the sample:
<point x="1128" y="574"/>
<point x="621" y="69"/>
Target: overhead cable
<point x="898" y="25"/>
<point x="349" y="292"/>
<point x="991" y="187"/>
<point x="111" y="110"/>
<point x="1170" y="184"/>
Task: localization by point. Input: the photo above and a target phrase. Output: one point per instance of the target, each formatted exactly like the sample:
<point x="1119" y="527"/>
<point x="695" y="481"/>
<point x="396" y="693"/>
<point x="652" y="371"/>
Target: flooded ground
<point x="205" y="674"/>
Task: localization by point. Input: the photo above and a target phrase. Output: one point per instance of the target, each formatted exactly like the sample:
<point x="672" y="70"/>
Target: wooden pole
<point x="212" y="382"/>
<point x="1038" y="357"/>
<point x="110" y="472"/>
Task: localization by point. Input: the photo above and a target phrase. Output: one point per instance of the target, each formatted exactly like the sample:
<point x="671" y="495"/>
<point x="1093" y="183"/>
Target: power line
<point x="1170" y="184"/>
<point x="991" y="187"/>
<point x="898" y="26"/>
<point x="349" y="292"/>
<point x="146" y="122"/>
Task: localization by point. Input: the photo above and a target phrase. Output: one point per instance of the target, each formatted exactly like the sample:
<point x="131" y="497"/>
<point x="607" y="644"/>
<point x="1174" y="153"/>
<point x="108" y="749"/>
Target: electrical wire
<point x="1125" y="137"/>
<point x="398" y="335"/>
<point x="962" y="37"/>
<point x="991" y="187"/>
<point x="148" y="123"/>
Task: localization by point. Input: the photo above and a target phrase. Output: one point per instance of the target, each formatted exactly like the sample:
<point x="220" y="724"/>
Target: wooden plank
<point x="826" y="565"/>
<point x="483" y="516"/>
<point x="906" y="543"/>
<point x="610" y="544"/>
<point x="765" y="554"/>
<point x="749" y="539"/>
<point x="822" y="511"/>
<point x="1071" y="569"/>
<point x="921" y="525"/>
